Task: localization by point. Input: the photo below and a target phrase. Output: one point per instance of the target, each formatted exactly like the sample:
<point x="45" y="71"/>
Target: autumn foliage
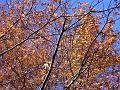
<point x="44" y="42"/>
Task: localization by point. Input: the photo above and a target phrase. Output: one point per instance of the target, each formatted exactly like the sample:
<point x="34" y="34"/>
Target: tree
<point x="47" y="42"/>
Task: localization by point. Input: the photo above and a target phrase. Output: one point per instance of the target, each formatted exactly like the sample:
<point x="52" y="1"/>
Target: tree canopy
<point x="44" y="42"/>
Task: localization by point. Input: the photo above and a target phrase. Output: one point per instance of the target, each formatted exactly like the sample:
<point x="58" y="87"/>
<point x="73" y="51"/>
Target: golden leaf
<point x="80" y="9"/>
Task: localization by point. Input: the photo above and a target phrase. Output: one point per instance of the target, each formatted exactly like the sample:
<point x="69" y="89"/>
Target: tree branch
<point x="53" y="58"/>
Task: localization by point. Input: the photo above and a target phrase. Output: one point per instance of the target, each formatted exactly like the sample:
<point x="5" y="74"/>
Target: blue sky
<point x="104" y="4"/>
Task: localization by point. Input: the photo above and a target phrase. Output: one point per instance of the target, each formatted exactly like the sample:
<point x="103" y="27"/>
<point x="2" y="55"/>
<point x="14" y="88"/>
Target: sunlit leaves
<point x="85" y="4"/>
<point x="81" y="9"/>
<point x="40" y="25"/>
